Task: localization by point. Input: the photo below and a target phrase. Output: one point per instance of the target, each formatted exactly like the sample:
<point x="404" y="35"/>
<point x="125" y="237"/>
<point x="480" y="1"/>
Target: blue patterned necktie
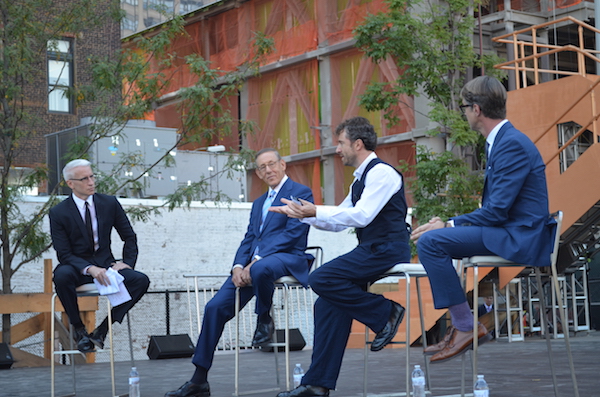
<point x="266" y="205"/>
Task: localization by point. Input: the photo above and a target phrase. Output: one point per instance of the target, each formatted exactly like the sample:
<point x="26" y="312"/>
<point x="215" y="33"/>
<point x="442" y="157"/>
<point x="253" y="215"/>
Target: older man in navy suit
<point x="274" y="246"/>
<point x="81" y="227"/>
<point x="513" y="221"/>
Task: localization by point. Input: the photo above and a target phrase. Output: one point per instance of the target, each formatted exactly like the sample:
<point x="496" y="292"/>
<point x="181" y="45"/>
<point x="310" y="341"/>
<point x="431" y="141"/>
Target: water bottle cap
<point x="417" y="366"/>
<point x="479" y="376"/>
<point x="298" y="365"/>
<point x="133" y="368"/>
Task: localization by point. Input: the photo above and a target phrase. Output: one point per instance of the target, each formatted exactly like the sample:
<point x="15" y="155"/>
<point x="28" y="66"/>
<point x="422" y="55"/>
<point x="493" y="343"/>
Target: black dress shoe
<point x="84" y="344"/>
<point x="305" y="391"/>
<point x="98" y="336"/>
<point x="263" y="334"/>
<point x="190" y="389"/>
<point x="386" y="335"/>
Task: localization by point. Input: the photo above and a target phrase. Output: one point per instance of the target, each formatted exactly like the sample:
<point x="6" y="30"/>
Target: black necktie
<point x="88" y="224"/>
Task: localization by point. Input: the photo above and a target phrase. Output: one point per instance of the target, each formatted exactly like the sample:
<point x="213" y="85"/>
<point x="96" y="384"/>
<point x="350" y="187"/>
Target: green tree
<point x="124" y="85"/>
<point x="432" y="44"/>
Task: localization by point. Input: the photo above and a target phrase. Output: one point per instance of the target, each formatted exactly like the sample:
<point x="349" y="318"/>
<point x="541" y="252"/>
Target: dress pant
<point x="437" y="248"/>
<point x="341" y="286"/>
<point x="67" y="278"/>
<point x="221" y="308"/>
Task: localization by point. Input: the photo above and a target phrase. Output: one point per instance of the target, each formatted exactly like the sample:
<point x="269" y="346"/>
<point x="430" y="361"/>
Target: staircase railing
<point x="531" y="51"/>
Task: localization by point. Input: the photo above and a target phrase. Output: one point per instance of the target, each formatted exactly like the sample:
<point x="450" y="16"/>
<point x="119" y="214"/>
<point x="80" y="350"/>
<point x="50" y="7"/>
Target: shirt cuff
<point x="85" y="270"/>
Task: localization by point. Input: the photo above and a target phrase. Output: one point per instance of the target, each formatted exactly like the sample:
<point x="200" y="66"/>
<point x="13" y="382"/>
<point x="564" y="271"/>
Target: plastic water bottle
<point x="298" y="374"/>
<point x="134" y="383"/>
<point x="418" y="382"/>
<point x="481" y="387"/>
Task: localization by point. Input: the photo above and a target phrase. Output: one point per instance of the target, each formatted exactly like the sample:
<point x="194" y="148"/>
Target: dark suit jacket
<point x="69" y="235"/>
<point x="280" y="233"/>
<point x="514" y="211"/>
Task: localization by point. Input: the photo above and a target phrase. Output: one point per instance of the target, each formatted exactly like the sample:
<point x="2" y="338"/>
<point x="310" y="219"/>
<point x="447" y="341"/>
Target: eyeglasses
<point x="462" y="107"/>
<point x="84" y="179"/>
<point x="263" y="167"/>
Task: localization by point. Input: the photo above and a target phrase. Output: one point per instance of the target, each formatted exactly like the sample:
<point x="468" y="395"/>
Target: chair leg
<point x="565" y="322"/>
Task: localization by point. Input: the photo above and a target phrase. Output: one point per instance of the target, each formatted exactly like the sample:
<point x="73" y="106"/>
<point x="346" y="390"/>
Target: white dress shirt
<point x="381" y="183"/>
<point x="81" y="207"/>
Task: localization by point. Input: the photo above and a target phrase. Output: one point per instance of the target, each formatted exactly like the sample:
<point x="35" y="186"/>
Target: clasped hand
<point x="434" y="223"/>
<point x="99" y="273"/>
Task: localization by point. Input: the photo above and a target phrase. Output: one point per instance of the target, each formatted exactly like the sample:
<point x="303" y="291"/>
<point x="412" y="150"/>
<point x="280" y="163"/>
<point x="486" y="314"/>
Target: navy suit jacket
<point x="280" y="233"/>
<point x="514" y="212"/>
<point x="70" y="237"/>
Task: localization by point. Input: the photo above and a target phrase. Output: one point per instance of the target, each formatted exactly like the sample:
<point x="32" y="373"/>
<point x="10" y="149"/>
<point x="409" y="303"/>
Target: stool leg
<point x="52" y="330"/>
<point x="423" y="331"/>
<point x="475" y="318"/>
<point x="407" y="325"/>
<point x="366" y="357"/>
<point x="237" y="341"/>
<point x="565" y="322"/>
<point x="286" y="298"/>
<point x="544" y="319"/>
<point x="110" y="339"/>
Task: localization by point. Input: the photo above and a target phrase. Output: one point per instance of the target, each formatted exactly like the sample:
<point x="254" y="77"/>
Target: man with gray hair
<point x="81" y="227"/>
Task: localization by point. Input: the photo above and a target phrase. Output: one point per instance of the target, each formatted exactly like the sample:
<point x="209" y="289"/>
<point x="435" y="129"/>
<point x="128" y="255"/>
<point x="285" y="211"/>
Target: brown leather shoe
<point x="459" y="343"/>
<point x="438" y="347"/>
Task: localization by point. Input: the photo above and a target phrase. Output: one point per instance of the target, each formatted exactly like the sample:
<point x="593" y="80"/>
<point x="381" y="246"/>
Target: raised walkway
<point x="518" y="369"/>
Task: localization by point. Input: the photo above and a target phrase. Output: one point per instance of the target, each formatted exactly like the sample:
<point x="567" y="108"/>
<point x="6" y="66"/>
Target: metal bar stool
<point x="406" y="271"/>
<point x="495" y="261"/>
<point x="82" y="290"/>
<point x="284" y="283"/>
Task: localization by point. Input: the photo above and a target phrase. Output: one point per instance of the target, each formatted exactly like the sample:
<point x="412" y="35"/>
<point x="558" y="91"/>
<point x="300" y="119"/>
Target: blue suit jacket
<point x="280" y="234"/>
<point x="514" y="211"/>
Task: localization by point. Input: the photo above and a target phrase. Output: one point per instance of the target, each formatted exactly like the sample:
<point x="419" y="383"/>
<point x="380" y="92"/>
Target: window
<point x="60" y="75"/>
<point x="570" y="154"/>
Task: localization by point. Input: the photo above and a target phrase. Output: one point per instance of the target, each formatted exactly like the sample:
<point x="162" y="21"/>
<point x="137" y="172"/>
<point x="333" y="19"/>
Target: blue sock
<point x="462" y="318"/>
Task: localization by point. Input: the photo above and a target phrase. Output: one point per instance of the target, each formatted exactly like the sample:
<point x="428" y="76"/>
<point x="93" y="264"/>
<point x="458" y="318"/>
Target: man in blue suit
<point x="513" y="221"/>
<point x="273" y="247"/>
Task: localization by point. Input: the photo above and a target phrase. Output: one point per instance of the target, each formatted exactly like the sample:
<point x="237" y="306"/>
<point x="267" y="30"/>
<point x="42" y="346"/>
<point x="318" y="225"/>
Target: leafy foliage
<point x="124" y="85"/>
<point x="431" y="42"/>
<point x="445" y="186"/>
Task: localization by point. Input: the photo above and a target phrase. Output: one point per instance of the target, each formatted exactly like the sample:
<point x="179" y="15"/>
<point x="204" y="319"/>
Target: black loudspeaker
<point x="297" y="341"/>
<point x="170" y="346"/>
<point x="6" y="359"/>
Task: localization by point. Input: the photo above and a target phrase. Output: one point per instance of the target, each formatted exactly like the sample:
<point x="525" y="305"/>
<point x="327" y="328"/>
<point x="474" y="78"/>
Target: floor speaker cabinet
<point x="170" y="346"/>
<point x="6" y="359"/>
<point x="297" y="341"/>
